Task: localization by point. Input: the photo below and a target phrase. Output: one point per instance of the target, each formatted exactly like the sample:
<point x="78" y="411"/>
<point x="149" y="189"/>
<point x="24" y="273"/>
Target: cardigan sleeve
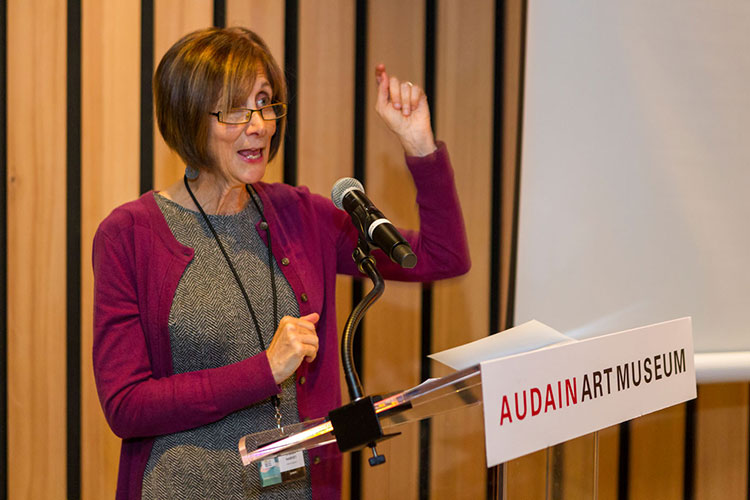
<point x="440" y="244"/>
<point x="137" y="402"/>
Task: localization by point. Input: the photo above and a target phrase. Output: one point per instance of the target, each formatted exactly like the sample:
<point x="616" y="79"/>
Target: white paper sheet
<point x="523" y="338"/>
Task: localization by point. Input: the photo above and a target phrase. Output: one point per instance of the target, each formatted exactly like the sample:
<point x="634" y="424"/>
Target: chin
<point x="253" y="174"/>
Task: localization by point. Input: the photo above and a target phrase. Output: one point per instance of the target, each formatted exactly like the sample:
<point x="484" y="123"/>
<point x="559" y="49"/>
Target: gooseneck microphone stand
<point x="366" y="264"/>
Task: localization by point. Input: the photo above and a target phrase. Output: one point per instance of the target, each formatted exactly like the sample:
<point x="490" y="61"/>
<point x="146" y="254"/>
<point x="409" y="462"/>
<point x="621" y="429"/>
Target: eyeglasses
<point x="238" y="116"/>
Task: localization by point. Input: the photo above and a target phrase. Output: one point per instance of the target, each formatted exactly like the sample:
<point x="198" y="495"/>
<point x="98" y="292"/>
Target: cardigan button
<point x="284" y="261"/>
<point x="316" y="460"/>
<point x="264" y="225"/>
<point x="302" y="380"/>
<point x="303" y="296"/>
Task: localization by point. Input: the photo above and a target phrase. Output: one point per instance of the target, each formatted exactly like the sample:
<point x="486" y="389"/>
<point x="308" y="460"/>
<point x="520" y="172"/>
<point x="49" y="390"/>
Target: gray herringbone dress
<point x="210" y="326"/>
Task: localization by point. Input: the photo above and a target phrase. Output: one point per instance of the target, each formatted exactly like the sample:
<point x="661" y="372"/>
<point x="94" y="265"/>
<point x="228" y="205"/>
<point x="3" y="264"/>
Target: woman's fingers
<point x="402" y="96"/>
<point x="295" y="340"/>
<point x="395" y="90"/>
<point x="379" y="72"/>
<point x="406" y="91"/>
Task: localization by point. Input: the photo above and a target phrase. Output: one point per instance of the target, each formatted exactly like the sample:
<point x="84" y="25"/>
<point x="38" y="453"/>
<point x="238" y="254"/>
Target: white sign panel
<point x="545" y="397"/>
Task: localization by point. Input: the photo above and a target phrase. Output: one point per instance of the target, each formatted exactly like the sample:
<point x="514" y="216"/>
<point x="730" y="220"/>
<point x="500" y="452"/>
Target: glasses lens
<point x="273" y="112"/>
<point x="235" y="116"/>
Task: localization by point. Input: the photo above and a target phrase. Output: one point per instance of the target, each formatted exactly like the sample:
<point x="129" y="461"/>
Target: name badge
<point x="282" y="469"/>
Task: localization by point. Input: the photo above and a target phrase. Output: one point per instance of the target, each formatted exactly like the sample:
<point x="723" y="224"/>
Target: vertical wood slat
<point x="525" y="477"/>
<point x="657" y="453"/>
<point x="584" y="467"/>
<point x="578" y="471"/>
<point x="266" y="18"/>
<point x="608" y="462"/>
<point x="36" y="146"/>
<point x="391" y="344"/>
<point x="722" y="442"/>
<point x="325" y="114"/>
<point x="172" y="20"/>
<point x="109" y="177"/>
<point x="463" y="119"/>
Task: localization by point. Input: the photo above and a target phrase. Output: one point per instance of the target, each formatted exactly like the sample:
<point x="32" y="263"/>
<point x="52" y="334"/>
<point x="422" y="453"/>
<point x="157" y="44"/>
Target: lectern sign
<point x="545" y="397"/>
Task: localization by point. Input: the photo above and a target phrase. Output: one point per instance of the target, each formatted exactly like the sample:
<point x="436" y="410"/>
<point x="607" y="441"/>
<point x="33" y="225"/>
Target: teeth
<point x="251" y="154"/>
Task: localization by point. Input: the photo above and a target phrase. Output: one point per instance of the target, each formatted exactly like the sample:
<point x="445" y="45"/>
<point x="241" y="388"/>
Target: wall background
<point x="78" y="142"/>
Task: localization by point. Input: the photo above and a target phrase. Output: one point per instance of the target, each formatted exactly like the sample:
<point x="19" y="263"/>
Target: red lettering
<point x="549" y="399"/>
<point x="536" y="402"/>
<point x="521" y="416"/>
<point x="571" y="392"/>
<point x="505" y="411"/>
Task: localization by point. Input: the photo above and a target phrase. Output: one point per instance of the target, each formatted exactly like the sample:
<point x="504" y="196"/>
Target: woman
<point x="214" y="313"/>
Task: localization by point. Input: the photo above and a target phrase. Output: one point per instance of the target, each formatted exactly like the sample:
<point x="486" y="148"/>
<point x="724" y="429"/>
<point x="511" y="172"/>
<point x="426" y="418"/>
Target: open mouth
<point x="251" y="154"/>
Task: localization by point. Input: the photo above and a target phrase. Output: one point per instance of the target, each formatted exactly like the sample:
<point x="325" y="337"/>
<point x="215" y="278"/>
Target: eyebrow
<point x="266" y="85"/>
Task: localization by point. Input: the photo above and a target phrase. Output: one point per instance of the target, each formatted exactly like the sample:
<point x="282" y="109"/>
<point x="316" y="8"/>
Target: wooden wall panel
<point x="609" y="454"/>
<point x="391" y="347"/>
<point x="577" y="469"/>
<point x="463" y="119"/>
<point x="36" y="61"/>
<point x="722" y="442"/>
<point x="325" y="117"/>
<point x="109" y="177"/>
<point x="172" y="20"/>
<point x="266" y="18"/>
<point x="657" y="451"/>
<point x="326" y="93"/>
<point x="525" y="478"/>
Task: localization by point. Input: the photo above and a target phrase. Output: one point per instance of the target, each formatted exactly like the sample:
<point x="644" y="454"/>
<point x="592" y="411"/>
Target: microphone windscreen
<point x="342" y="186"/>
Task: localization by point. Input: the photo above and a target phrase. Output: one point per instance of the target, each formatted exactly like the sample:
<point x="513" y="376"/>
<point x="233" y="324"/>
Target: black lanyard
<point x="263" y="225"/>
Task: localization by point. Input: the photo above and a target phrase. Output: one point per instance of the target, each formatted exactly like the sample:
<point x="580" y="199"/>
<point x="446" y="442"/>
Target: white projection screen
<point x="635" y="172"/>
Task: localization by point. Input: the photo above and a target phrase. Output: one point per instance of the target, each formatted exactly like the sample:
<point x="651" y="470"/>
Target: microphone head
<point x="343" y="186"/>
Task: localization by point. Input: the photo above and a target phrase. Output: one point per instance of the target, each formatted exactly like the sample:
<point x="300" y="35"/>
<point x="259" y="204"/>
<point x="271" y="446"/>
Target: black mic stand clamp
<point x="356" y="424"/>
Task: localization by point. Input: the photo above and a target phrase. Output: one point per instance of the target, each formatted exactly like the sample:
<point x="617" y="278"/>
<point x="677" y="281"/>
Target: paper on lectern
<point x="529" y="336"/>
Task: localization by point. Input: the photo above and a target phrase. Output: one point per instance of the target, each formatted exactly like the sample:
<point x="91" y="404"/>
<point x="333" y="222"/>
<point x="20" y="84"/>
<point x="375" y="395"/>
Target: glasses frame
<point x="218" y="114"/>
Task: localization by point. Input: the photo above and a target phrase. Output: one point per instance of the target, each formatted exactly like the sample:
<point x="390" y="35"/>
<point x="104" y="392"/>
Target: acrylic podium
<point x="455" y="391"/>
<point x="556" y="398"/>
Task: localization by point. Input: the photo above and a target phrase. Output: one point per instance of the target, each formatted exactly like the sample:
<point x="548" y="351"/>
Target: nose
<point x="256" y="125"/>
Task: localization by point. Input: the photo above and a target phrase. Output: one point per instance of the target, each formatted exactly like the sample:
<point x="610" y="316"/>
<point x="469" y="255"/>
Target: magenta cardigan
<point x="138" y="263"/>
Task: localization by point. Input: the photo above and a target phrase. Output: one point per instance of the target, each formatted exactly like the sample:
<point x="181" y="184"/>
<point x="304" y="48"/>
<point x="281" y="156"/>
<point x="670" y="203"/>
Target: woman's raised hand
<point x="404" y="109"/>
<point x="295" y="340"/>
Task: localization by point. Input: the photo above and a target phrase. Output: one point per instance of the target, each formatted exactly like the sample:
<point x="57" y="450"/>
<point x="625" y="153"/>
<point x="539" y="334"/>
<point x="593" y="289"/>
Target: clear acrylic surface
<point x="432" y="397"/>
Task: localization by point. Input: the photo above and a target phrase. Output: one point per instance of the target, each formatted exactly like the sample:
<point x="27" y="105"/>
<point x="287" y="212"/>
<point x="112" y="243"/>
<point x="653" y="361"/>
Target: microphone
<point x="349" y="195"/>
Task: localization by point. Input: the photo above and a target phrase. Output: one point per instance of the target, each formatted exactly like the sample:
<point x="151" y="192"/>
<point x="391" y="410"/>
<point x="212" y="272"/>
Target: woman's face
<point x="241" y="151"/>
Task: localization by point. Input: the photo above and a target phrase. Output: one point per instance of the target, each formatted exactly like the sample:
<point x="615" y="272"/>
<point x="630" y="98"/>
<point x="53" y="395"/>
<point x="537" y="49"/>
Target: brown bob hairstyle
<point x="211" y="70"/>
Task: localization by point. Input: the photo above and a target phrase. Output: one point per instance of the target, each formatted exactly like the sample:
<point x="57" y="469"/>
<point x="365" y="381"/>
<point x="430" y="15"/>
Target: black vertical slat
<point x="510" y="311"/>
<point x="495" y="474"/>
<point x="360" y="130"/>
<point x="220" y="13"/>
<point x="497" y="166"/>
<point x="425" y="430"/>
<point x="430" y="61"/>
<point x="291" y="63"/>
<point x="623" y="464"/>
<point x="688" y="477"/>
<point x="3" y="252"/>
<point x="147" y="97"/>
<point x="73" y="251"/>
